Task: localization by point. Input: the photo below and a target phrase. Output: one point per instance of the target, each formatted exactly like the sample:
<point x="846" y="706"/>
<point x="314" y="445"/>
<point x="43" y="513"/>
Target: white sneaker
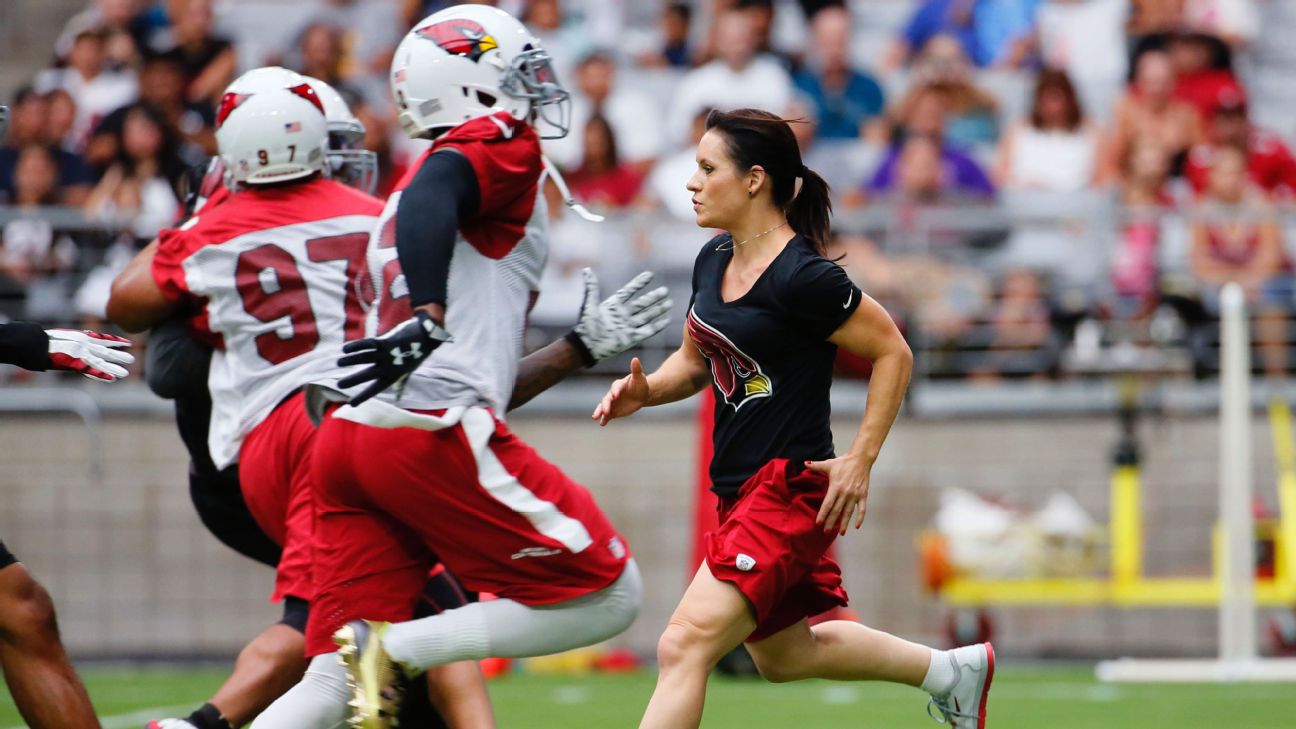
<point x="169" y="724"/>
<point x="964" y="706"/>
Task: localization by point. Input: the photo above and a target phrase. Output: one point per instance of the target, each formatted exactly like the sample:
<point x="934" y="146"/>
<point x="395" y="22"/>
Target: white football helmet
<point x="270" y="127"/>
<point x="470" y="61"/>
<point x="349" y="162"/>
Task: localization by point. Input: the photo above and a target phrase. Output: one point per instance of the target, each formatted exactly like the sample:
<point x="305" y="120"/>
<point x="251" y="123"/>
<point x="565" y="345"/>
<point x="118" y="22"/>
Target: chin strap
<point x="568" y="200"/>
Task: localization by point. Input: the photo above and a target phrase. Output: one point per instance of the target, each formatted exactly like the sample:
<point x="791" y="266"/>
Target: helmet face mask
<point x="355" y="167"/>
<point x="348" y="161"/>
<point x="471" y="61"/>
<point x="531" y="76"/>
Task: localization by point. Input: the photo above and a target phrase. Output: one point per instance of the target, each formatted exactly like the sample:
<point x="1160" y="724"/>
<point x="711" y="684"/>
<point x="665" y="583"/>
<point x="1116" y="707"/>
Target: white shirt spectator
<point x="667" y="183"/>
<point x="1085" y="38"/>
<point x="1053" y="160"/>
<point x="762" y="84"/>
<point x="26" y="243"/>
<point x="95" y="99"/>
<point x="1233" y="20"/>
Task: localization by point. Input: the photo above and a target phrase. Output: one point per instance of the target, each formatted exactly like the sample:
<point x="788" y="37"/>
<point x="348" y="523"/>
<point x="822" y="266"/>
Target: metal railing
<point x="45" y="400"/>
<point x="1068" y="240"/>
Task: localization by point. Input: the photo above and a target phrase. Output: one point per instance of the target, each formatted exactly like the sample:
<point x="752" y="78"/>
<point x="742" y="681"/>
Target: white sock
<point x="318" y="702"/>
<point x="510" y="629"/>
<point x="942" y="674"/>
<point x="455" y="635"/>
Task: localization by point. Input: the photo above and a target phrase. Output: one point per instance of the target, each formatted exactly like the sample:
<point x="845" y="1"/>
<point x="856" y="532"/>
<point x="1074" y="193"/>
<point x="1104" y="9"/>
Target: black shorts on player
<point x="177" y="370"/>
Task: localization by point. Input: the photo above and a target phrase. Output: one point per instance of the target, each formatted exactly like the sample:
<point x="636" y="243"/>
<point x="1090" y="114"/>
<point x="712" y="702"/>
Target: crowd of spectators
<point x="971" y="105"/>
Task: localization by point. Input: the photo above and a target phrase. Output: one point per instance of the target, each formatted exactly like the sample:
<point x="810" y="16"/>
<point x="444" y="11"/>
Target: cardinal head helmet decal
<point x="460" y="36"/>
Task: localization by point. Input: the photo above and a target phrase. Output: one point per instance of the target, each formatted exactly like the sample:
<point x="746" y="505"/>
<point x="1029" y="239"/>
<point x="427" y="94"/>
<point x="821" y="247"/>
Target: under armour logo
<point x="415" y="351"/>
<point x="745" y="562"/>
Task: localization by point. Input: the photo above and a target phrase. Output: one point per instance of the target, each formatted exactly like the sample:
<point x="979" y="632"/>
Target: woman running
<point x="767" y="314"/>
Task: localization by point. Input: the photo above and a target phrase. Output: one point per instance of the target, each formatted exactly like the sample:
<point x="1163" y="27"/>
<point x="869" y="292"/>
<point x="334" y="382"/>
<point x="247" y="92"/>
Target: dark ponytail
<point x="755" y="137"/>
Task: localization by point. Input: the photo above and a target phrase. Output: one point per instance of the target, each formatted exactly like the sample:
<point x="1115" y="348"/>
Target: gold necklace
<point x="733" y="245"/>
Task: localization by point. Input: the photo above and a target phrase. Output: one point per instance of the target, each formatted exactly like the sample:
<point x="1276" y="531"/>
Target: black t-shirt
<point x="771" y="361"/>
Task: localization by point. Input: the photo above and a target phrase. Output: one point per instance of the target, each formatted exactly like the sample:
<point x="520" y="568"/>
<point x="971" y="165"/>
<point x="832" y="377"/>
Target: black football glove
<point x="392" y="356"/>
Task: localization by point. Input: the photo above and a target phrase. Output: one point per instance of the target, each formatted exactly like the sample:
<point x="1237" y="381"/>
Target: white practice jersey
<point x="495" y="270"/>
<point x="279" y="274"/>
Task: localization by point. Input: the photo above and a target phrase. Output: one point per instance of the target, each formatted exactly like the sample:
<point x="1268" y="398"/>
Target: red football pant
<point x="501" y="518"/>
<point x="275" y="474"/>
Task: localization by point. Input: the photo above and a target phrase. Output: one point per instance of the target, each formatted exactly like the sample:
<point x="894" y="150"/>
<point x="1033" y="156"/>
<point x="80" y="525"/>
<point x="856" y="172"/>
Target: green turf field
<point x="1051" y="698"/>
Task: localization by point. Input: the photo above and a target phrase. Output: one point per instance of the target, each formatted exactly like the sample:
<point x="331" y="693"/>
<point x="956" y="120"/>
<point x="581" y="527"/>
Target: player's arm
<point x="683" y="374"/>
<point x="136" y="302"/>
<point x="544" y="368"/>
<point x="869" y="332"/>
<point x="175" y="363"/>
<point x="604" y="329"/>
<point x="444" y="191"/>
<point x="97" y="356"/>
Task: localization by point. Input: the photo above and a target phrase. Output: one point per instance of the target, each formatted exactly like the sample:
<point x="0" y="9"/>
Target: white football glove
<point x="621" y="321"/>
<point x="97" y="356"/>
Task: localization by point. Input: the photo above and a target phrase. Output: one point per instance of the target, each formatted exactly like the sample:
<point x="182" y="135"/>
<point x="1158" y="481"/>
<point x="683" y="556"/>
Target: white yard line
<point x="568" y="695"/>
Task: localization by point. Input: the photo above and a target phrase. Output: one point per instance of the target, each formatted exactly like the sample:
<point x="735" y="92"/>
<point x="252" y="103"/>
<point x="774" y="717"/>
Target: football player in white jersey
<point x="456" y="260"/>
<point x="269" y="270"/>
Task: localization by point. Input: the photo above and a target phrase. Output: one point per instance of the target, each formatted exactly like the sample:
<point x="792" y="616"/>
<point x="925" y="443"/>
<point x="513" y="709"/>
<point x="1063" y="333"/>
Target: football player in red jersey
<point x="44" y="685"/>
<point x="269" y="271"/>
<point x="767" y="314"/>
<point x="456" y="258"/>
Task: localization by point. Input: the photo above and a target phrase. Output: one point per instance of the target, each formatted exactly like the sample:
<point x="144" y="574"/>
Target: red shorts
<point x="502" y="519"/>
<point x="274" y="472"/>
<point x="769" y="547"/>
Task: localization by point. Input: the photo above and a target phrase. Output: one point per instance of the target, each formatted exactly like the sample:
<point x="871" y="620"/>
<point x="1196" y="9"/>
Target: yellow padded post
<point x="1285" y="459"/>
<point x="1126" y="524"/>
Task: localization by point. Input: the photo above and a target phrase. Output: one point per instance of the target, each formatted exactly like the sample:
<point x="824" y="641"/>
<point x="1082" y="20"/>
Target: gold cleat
<point x="374" y="678"/>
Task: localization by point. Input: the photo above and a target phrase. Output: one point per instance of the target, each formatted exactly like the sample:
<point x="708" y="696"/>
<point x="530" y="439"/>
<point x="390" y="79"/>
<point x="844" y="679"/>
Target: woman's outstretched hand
<point x="626" y="395"/>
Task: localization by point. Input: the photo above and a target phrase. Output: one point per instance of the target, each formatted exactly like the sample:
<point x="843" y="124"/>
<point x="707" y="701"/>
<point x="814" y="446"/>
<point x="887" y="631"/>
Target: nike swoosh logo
<point x="849" y="299"/>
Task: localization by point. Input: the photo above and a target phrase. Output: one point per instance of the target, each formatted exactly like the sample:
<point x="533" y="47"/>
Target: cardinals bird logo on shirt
<point x="738" y="376"/>
<point x="460" y="36"/>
